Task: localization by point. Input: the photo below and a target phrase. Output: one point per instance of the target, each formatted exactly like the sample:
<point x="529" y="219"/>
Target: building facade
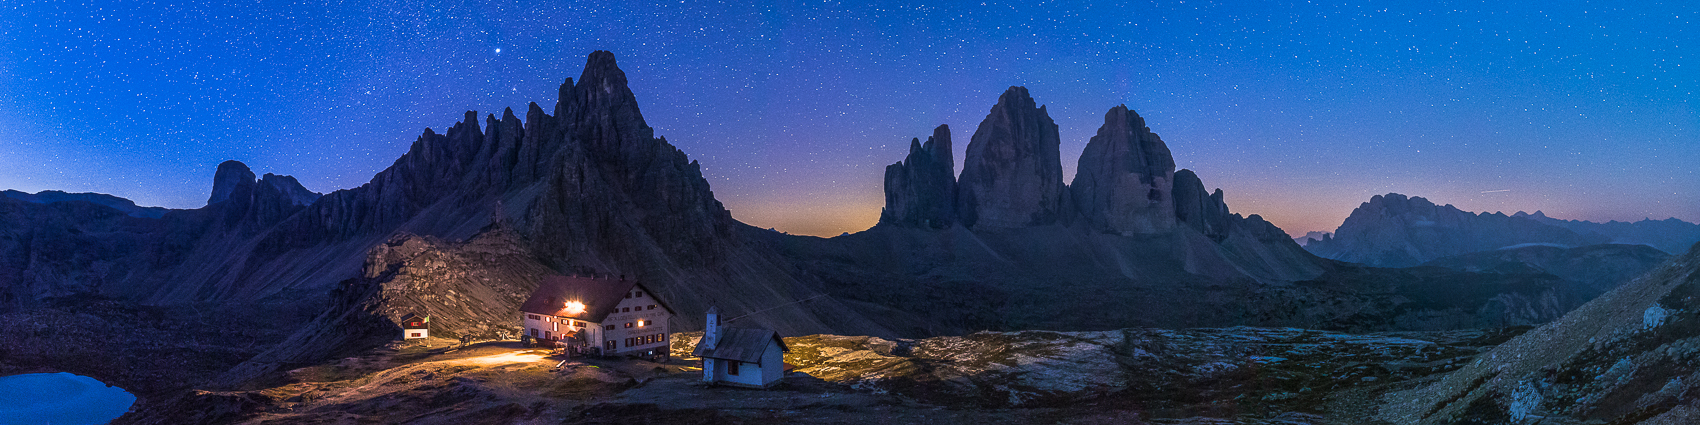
<point x="595" y="315"/>
<point x="740" y="357"/>
<point x="415" y="327"/>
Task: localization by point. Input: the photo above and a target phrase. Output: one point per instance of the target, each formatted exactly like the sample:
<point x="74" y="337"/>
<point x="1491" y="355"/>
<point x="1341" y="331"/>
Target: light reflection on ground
<point x="504" y="358"/>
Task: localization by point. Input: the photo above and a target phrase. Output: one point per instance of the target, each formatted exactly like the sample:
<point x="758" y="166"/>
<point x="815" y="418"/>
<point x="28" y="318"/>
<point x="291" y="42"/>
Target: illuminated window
<point x="628" y="324"/>
<point x="640" y="323"/>
<point x="609" y="344"/>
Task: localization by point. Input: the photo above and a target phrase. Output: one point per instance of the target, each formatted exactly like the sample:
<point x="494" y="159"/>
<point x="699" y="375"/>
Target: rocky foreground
<point x="1226" y="375"/>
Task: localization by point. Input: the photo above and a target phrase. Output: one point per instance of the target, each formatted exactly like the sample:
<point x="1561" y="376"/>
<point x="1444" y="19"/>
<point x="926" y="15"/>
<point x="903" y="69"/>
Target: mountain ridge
<point x="1394" y="230"/>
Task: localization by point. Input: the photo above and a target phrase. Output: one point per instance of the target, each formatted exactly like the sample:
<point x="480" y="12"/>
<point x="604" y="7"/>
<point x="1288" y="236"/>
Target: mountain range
<point x="1394" y="230"/>
<point x="464" y="223"/>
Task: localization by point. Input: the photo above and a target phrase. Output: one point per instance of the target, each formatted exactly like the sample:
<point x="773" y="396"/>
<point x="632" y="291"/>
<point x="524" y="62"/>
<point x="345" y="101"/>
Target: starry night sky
<point x="1298" y="110"/>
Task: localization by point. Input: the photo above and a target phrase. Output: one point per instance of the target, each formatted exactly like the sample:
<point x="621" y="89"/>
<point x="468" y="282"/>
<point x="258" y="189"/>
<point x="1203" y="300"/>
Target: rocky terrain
<point x="1627" y="357"/>
<point x="1233" y="375"/>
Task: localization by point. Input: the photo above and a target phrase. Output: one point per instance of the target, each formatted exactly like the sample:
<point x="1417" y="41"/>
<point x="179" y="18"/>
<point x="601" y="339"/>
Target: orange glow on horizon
<point x="826" y="220"/>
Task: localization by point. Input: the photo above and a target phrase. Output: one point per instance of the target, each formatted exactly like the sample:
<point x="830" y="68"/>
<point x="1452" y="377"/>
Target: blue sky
<point x="1298" y="110"/>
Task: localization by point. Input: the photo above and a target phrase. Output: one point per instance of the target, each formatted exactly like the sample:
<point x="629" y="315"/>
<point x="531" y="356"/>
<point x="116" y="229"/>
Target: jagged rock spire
<point x="1012" y="176"/>
<point x="1202" y="211"/>
<point x="605" y="113"/>
<point x="920" y="191"/>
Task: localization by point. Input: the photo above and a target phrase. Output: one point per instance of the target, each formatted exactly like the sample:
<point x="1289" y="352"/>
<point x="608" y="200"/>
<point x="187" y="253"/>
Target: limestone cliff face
<point x="230" y="174"/>
<point x="1203" y="211"/>
<point x="1130" y="220"/>
<point x="921" y="189"/>
<point x="1126" y="177"/>
<point x="1012" y="176"/>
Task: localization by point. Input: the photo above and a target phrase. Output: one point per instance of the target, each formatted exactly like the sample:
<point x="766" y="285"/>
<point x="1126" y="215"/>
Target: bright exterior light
<point x="574" y="308"/>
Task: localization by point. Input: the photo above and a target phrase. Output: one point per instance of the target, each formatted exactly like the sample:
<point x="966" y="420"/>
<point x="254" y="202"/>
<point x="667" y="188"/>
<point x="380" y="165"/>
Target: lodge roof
<point x="741" y="344"/>
<point x="599" y="295"/>
<point x="414" y="321"/>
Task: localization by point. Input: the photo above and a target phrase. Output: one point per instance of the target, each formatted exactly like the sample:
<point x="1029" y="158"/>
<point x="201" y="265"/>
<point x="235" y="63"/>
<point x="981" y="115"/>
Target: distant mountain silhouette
<point x="126" y="206"/>
<point x="1314" y="234"/>
<point x="1399" y="231"/>
<point x="1669" y="235"/>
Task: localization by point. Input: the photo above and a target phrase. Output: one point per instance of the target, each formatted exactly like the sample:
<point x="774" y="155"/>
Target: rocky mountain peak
<point x="1196" y="208"/>
<point x="230" y="174"/>
<point x="1537" y="215"/>
<point x="1012" y="176"/>
<point x="1126" y="174"/>
<point x="1395" y="204"/>
<point x="920" y="191"/>
<point x="1394" y="230"/>
<point x="288" y="189"/>
<point x="603" y="114"/>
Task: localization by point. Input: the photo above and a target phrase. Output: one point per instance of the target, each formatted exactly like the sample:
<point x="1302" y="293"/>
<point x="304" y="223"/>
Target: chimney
<point x="711" y="331"/>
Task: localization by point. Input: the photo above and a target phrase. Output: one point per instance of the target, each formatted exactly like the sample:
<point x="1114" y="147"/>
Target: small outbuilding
<point x="415" y="326"/>
<point x="740" y="357"/>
